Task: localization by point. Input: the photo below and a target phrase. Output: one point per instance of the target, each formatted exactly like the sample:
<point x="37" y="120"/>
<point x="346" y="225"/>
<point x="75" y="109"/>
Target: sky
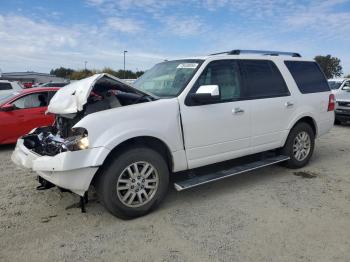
<point x="41" y="35"/>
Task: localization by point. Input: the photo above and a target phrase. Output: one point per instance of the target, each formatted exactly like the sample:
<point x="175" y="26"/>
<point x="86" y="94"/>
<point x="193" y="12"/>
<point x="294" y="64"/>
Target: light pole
<point x="85" y="64"/>
<point x="124" y="62"/>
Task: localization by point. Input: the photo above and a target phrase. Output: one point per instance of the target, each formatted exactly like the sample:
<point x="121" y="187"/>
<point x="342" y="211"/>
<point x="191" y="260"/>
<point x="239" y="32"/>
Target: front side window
<point x="346" y="85"/>
<point x="5" y="86"/>
<point x="32" y="100"/>
<point x="225" y="74"/>
<point x="308" y="76"/>
<point x="263" y="79"/>
<point x="169" y="78"/>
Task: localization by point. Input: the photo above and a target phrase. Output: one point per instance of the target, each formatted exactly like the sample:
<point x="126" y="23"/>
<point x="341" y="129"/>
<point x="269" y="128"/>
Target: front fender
<point x="159" y="119"/>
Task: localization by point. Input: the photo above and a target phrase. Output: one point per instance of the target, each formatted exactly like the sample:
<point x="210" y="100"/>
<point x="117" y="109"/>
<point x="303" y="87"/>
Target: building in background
<point x="31" y="77"/>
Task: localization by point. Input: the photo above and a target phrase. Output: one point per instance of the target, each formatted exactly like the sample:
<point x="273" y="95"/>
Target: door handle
<point x="237" y="110"/>
<point x="289" y="104"/>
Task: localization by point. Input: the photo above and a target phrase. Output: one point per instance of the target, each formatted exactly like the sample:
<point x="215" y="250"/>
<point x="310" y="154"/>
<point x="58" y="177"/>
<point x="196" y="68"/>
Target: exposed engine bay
<point x="107" y="93"/>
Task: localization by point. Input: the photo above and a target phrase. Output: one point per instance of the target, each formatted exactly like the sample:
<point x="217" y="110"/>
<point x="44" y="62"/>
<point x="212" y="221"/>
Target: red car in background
<point x="28" y="84"/>
<point x="22" y="111"/>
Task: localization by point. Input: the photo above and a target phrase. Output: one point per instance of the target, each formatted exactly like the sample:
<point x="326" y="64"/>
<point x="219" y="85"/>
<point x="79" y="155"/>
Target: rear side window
<point x="5" y="86"/>
<point x="262" y="79"/>
<point x="308" y="76"/>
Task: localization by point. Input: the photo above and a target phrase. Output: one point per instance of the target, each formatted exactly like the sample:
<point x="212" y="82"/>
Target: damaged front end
<point x="71" y="104"/>
<point x="62" y="154"/>
<point x="49" y="141"/>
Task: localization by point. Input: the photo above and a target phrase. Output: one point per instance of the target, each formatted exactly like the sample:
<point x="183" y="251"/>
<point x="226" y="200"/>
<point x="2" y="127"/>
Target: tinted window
<point x="51" y="94"/>
<point x="32" y="100"/>
<point x="225" y="74"/>
<point x="5" y="86"/>
<point x="308" y="76"/>
<point x="263" y="79"/>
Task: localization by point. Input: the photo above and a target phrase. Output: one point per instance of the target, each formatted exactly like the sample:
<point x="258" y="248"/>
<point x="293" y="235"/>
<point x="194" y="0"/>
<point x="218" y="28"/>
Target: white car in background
<point x="337" y="83"/>
<point x="8" y="87"/>
<point x="341" y="89"/>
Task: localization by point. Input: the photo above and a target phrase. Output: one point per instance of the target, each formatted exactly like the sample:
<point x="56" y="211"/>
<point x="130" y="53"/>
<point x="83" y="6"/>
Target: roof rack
<point x="261" y="52"/>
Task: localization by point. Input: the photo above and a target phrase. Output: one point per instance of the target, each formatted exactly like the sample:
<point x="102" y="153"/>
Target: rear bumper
<point x="70" y="170"/>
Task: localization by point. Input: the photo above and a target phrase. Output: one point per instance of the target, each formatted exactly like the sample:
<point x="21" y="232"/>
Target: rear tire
<point x="299" y="145"/>
<point x="133" y="183"/>
<point x="337" y="122"/>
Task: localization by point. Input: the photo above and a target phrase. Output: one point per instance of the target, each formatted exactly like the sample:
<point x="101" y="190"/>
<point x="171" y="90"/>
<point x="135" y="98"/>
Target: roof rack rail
<point x="261" y="52"/>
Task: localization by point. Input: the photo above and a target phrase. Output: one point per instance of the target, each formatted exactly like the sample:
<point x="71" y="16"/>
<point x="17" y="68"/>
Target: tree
<point x="82" y="73"/>
<point x="62" y="72"/>
<point x="330" y="65"/>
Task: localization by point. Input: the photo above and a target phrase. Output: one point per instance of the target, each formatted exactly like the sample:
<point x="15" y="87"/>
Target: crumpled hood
<point x="71" y="98"/>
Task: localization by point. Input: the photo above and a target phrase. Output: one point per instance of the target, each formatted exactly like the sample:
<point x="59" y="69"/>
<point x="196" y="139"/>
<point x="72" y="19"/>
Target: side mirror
<point x="206" y="94"/>
<point x="7" y="108"/>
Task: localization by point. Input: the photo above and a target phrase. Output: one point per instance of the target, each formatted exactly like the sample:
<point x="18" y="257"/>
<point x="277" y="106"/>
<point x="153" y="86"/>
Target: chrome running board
<point x="201" y="179"/>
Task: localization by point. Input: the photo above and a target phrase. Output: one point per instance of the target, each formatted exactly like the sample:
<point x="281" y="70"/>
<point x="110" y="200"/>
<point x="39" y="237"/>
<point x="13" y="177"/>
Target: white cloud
<point x="152" y="30"/>
<point x="124" y="25"/>
<point x="184" y="26"/>
<point x="95" y="2"/>
<point x="39" y="45"/>
<point x="145" y="5"/>
<point x="320" y="18"/>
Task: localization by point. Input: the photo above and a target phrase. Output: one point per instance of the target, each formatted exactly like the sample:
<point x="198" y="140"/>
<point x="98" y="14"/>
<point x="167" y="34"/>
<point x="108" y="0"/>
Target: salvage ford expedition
<point x="181" y="117"/>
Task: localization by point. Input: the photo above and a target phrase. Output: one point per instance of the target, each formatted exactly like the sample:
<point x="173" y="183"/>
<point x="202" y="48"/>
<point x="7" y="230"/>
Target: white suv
<point x="180" y="115"/>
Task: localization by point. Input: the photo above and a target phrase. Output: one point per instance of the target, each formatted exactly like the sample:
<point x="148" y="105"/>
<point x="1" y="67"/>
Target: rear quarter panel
<point x="314" y="105"/>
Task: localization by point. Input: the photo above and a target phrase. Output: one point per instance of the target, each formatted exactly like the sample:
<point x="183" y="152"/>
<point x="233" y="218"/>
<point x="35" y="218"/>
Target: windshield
<point x="5" y="98"/>
<point x="334" y="84"/>
<point x="169" y="78"/>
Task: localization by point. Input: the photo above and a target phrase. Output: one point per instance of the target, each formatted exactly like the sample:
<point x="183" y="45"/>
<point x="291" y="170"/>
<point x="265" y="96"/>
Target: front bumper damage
<point x="71" y="170"/>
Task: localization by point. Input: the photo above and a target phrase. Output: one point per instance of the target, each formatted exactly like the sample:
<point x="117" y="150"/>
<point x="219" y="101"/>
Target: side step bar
<point x="197" y="180"/>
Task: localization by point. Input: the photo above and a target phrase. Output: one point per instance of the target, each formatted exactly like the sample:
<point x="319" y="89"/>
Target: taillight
<point x="331" y="102"/>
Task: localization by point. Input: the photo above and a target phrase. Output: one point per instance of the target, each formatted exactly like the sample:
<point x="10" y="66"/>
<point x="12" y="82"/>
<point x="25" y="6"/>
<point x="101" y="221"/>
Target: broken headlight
<point x="79" y="141"/>
<point x="48" y="141"/>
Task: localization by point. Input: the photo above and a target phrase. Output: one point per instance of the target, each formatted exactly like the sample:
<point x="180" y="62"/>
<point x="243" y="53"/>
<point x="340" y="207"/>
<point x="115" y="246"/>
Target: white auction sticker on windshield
<point x="188" y="65"/>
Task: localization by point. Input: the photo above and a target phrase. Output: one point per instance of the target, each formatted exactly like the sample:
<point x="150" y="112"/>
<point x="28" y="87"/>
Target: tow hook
<point x="84" y="200"/>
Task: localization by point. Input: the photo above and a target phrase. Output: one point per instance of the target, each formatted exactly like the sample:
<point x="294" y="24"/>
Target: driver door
<point x="221" y="130"/>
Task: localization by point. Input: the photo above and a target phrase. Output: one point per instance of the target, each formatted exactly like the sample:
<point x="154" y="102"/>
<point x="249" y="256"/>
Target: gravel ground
<point x="273" y="214"/>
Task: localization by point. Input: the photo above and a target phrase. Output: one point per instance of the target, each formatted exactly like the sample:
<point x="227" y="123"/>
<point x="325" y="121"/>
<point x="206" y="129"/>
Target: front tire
<point x="299" y="145"/>
<point x="133" y="183"/>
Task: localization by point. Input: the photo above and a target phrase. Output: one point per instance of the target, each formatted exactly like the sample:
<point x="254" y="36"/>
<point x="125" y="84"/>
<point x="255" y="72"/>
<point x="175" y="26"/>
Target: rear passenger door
<point x="272" y="104"/>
